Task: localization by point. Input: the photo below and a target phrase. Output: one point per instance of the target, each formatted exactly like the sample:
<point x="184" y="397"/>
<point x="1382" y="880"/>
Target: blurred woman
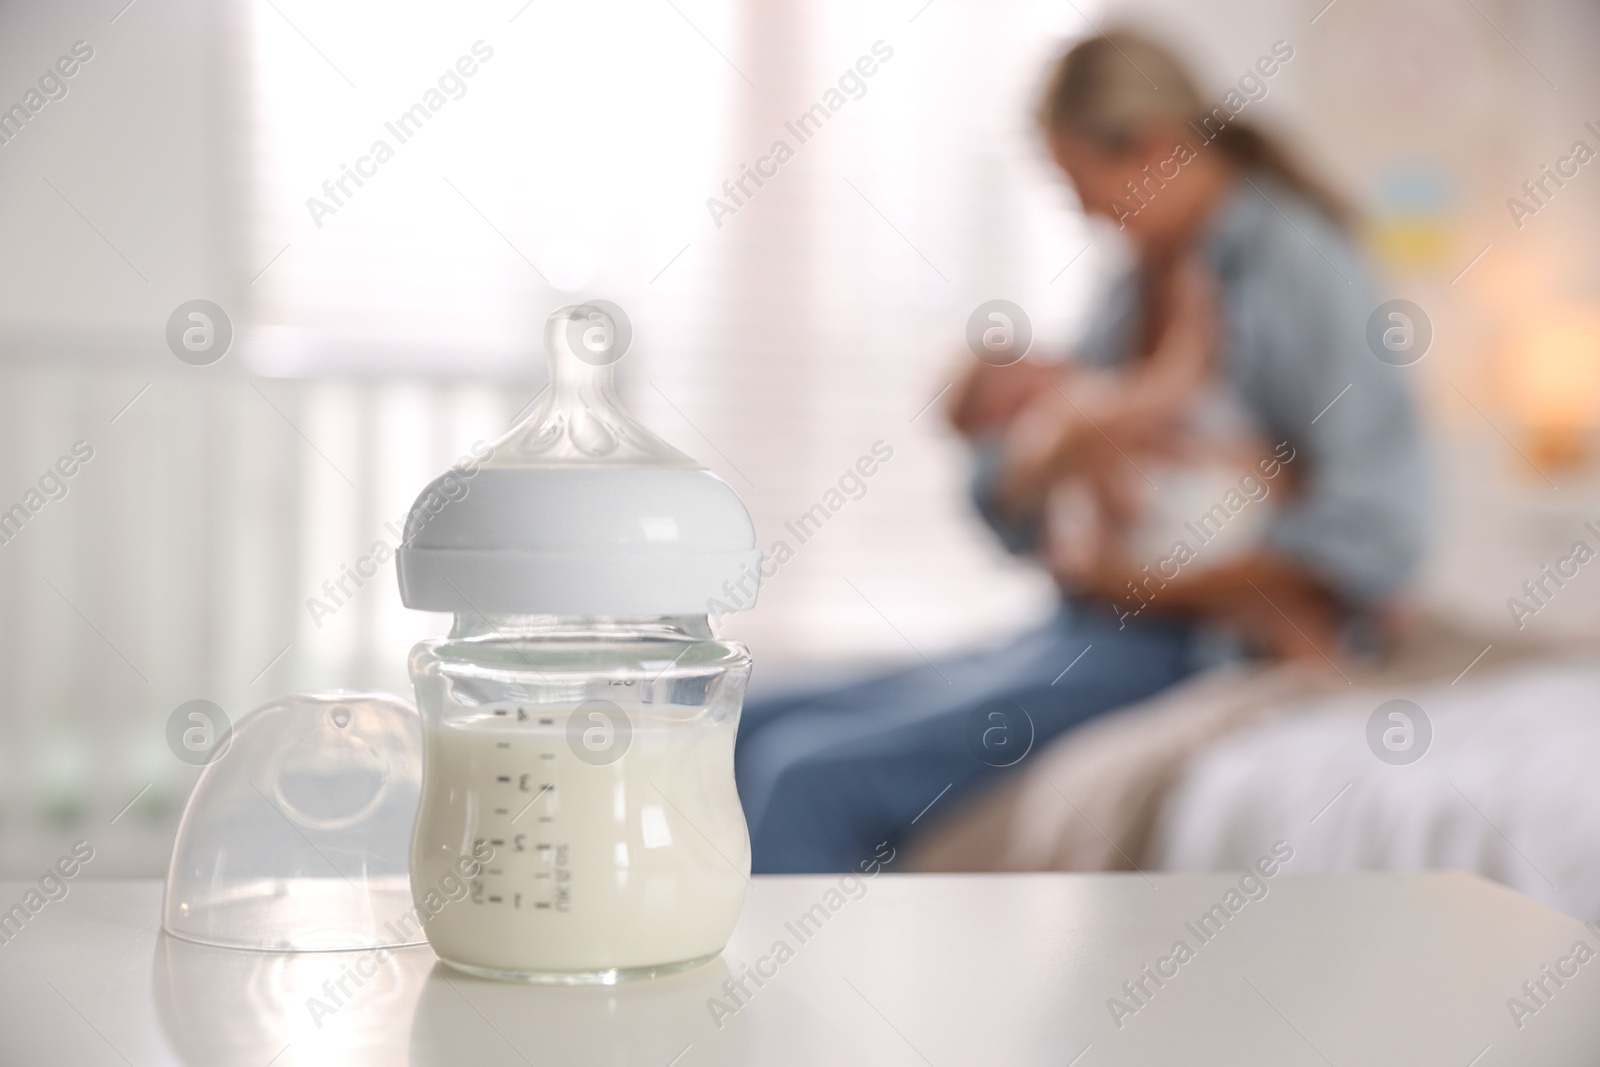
<point x="1238" y="338"/>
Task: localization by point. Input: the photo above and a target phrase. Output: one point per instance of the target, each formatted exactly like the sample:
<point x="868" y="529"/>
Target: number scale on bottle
<point x="532" y="865"/>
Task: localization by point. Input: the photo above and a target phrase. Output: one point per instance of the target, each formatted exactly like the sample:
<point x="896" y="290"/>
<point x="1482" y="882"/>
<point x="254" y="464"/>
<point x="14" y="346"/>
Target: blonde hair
<point x="1115" y="89"/>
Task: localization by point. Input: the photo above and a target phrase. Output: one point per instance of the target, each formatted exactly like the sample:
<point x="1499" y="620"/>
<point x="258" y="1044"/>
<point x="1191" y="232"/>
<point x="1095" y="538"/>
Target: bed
<point x="1419" y="762"/>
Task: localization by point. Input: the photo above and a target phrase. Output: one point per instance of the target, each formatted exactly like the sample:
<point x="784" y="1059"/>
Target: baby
<point x="1165" y="471"/>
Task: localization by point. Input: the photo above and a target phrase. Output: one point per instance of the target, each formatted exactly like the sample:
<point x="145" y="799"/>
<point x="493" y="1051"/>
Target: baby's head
<point x="995" y="395"/>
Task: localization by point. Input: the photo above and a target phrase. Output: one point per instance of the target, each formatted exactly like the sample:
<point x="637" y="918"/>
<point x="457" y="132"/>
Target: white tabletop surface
<point x="1325" y="971"/>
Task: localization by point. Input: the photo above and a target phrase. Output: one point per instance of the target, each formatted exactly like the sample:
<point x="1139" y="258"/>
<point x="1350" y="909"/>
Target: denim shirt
<point x="1295" y="298"/>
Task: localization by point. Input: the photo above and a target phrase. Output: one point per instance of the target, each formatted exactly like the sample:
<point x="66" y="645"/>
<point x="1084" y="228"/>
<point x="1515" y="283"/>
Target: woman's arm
<point x="1275" y="602"/>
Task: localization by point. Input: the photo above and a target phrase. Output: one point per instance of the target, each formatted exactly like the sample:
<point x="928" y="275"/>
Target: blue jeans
<point x="825" y="777"/>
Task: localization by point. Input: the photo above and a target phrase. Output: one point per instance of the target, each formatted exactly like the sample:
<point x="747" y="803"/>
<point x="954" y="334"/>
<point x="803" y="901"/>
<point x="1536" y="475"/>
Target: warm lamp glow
<point x="1552" y="378"/>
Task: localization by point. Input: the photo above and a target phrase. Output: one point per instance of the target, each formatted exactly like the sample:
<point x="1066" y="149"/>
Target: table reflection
<point x="224" y="1007"/>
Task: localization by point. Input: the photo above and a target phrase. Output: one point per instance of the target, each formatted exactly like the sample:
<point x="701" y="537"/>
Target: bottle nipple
<point x="579" y="509"/>
<point x="579" y="420"/>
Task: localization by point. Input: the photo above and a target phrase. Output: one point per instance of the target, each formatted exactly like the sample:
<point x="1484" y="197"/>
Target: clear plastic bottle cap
<point x="297" y="837"/>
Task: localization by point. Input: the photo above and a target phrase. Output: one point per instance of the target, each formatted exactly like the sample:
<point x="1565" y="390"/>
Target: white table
<point x="1358" y="970"/>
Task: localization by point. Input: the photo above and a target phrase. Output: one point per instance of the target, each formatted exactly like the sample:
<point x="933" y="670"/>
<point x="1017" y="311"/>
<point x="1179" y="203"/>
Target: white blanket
<point x="1509" y="787"/>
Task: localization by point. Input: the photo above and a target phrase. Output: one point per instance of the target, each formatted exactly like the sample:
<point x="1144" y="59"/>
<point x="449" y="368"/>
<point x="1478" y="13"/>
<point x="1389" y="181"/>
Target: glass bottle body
<point x="579" y="820"/>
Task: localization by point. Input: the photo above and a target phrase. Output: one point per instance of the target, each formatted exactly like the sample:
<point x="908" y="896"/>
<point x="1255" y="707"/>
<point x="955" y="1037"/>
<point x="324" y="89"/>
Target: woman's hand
<point x="1276" y="605"/>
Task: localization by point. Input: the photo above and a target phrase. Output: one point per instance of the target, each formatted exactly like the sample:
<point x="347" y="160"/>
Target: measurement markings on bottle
<point x="533" y="874"/>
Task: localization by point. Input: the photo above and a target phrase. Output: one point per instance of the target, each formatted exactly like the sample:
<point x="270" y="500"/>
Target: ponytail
<point x="1250" y="148"/>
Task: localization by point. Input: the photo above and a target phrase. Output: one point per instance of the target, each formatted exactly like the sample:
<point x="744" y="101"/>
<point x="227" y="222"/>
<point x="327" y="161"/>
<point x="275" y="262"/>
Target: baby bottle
<point x="579" y="820"/>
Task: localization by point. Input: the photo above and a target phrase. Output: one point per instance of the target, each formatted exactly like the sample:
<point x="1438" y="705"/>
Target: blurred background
<point x="374" y="344"/>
